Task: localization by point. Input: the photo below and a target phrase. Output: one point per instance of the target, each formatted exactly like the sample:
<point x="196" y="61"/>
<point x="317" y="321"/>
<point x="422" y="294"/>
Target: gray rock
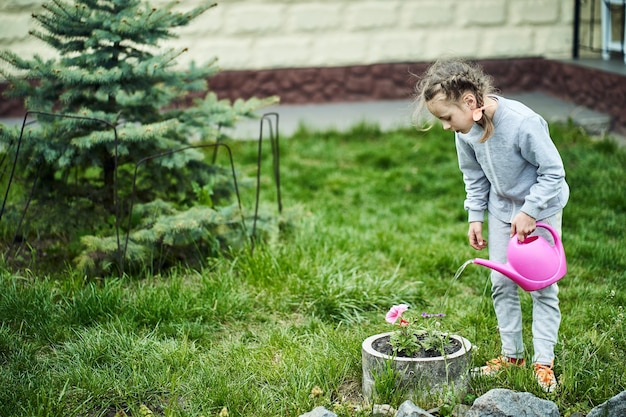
<point x="383" y="410"/>
<point x="498" y="403"/>
<point x="616" y="406"/>
<point x="507" y="403"/>
<point x="319" y="412"/>
<point x="408" y="409"/>
<point x="460" y="410"/>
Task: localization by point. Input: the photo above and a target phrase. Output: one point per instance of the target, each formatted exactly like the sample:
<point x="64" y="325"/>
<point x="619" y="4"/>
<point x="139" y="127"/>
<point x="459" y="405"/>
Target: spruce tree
<point x="112" y="67"/>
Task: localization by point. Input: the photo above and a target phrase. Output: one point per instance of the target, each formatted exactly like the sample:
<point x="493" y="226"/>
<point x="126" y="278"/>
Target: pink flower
<point x="395" y="313"/>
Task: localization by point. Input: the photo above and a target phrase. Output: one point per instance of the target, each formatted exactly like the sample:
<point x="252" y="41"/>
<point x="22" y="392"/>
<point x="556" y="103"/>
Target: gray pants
<point x="546" y="315"/>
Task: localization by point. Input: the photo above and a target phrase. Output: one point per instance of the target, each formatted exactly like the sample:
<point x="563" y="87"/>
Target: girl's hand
<point x="522" y="225"/>
<point x="475" y="235"/>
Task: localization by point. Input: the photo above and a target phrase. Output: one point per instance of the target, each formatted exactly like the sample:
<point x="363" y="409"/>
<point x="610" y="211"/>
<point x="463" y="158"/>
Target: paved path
<point x="397" y="113"/>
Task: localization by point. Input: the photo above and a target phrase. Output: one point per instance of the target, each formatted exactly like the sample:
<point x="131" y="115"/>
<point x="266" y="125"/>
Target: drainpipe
<point x="576" y="37"/>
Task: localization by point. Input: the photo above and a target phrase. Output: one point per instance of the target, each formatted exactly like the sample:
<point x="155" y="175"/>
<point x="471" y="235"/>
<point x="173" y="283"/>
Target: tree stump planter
<point x="426" y="374"/>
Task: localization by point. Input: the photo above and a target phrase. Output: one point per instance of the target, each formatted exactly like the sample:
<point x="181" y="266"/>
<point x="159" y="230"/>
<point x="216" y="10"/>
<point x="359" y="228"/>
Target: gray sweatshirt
<point x="517" y="169"/>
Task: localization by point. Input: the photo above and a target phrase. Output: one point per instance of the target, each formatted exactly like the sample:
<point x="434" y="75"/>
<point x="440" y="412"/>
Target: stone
<point x="615" y="406"/>
<point x="319" y="412"/>
<point x="460" y="410"/>
<point x="408" y="409"/>
<point x="381" y="410"/>
<point x="506" y="403"/>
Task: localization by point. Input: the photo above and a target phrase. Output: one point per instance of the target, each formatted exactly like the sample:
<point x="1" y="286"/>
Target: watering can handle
<point x="555" y="235"/>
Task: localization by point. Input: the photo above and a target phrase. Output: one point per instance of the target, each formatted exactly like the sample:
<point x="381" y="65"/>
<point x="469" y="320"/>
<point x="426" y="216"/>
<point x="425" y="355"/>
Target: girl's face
<point x="456" y="117"/>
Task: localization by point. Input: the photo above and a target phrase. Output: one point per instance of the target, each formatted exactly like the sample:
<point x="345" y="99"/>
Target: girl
<point x="512" y="171"/>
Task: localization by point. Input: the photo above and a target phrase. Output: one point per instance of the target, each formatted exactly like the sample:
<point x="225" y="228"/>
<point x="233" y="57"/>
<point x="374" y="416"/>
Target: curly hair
<point x="454" y="78"/>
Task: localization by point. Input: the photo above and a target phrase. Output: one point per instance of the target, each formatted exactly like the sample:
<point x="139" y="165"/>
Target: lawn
<point x="370" y="219"/>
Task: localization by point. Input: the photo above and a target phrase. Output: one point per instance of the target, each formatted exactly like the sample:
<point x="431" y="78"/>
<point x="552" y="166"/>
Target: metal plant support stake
<point x="34" y="184"/>
<point x="162" y="154"/>
<point x="275" y="165"/>
<point x="271" y="119"/>
<point x="274" y="138"/>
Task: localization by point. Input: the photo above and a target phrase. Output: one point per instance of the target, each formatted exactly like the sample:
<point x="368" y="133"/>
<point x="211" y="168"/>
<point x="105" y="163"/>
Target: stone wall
<point x="265" y="34"/>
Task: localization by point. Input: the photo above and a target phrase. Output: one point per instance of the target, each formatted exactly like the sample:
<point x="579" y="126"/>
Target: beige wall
<point x="263" y="34"/>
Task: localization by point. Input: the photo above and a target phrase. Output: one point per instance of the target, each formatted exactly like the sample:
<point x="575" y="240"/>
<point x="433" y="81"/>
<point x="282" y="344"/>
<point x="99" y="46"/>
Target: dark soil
<point x="382" y="345"/>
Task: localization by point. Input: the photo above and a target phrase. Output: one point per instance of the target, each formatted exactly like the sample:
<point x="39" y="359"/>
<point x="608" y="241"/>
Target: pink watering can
<point x="534" y="263"/>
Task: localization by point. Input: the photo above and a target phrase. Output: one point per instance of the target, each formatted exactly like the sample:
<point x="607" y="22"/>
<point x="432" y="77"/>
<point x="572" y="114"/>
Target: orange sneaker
<point x="545" y="377"/>
<point x="494" y="366"/>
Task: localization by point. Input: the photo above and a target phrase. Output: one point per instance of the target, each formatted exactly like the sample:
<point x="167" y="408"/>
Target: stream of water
<point x="456" y="276"/>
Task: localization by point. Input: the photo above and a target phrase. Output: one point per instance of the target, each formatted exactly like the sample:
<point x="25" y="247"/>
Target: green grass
<point x="375" y="219"/>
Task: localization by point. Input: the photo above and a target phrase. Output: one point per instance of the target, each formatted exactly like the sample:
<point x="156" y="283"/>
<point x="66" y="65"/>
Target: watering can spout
<point x="533" y="264"/>
<point x="504" y="269"/>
